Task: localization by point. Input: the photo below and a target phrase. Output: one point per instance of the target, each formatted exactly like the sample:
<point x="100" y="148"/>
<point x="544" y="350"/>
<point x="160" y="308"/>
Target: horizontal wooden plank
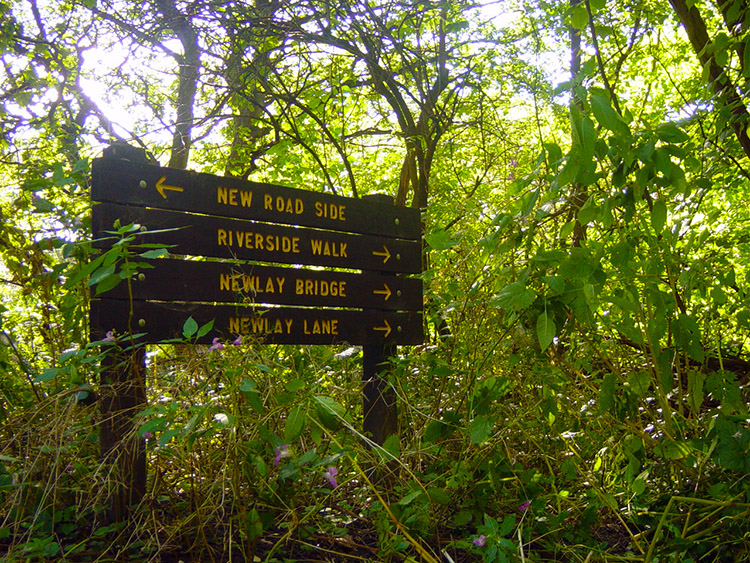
<point x="123" y="181"/>
<point x="226" y="282"/>
<point x="201" y="235"/>
<point x="279" y="325"/>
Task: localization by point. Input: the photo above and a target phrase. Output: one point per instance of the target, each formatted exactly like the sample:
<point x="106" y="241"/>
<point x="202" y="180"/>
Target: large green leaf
<point x="515" y="296"/>
<point x="545" y="330"/>
<point x="295" y="423"/>
<point x="607" y="116"/>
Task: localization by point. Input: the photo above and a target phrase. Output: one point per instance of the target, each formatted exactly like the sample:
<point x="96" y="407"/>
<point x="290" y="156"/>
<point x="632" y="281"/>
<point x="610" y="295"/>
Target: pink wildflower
<point x="110" y="336"/>
<point x="281" y="452"/>
<point x="216" y="345"/>
<point x="238" y="341"/>
<point x="147" y="435"/>
<point x="525" y="506"/>
<point x="330" y="476"/>
<point x="481" y="541"/>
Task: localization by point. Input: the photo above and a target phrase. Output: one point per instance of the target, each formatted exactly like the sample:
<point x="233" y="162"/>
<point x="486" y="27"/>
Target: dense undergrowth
<point x="582" y="391"/>
<point x="580" y="450"/>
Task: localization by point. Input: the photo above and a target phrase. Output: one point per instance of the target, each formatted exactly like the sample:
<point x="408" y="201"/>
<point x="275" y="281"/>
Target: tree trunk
<point x="189" y="64"/>
<point x="726" y="91"/>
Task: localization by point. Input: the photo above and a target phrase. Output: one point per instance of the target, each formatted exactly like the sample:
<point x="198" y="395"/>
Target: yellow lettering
<point x="258" y="241"/>
<point x="316" y="327"/>
<point x="235" y="284"/>
<point x="335" y="325"/>
<point x="268" y="202"/>
<point x="246" y="198"/>
<point x="257" y="324"/>
<point x="239" y="325"/>
<point x="278" y="328"/>
<point x="280" y="282"/>
<point x="233" y="196"/>
<point x="222" y="237"/>
<point x="316" y="245"/>
<point x="288" y="323"/>
<point x="221" y="195"/>
<point x="269" y="286"/>
<point x="224" y="282"/>
<point x="342" y="250"/>
<point x="330" y="211"/>
<point x="324" y="288"/>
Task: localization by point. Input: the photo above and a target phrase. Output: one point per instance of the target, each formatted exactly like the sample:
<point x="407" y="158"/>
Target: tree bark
<point x="697" y="33"/>
<point x="189" y="64"/>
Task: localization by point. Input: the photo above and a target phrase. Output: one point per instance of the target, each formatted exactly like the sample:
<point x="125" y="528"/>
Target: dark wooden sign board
<point x="228" y="282"/>
<point x="279" y="325"/>
<point x="203" y="235"/>
<point x="360" y="301"/>
<point x="144" y="185"/>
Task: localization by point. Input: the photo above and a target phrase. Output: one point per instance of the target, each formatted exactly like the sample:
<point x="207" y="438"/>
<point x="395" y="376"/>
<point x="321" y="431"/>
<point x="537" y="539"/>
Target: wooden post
<point x="378" y="398"/>
<point x="122" y="394"/>
<point x="379" y="406"/>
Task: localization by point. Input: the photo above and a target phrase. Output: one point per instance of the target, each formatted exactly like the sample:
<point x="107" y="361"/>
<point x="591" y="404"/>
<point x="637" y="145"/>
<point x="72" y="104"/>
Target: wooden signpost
<point x="252" y="259"/>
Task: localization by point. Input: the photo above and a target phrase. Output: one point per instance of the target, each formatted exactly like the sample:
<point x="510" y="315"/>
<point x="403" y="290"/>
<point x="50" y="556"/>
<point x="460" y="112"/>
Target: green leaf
<point x="545" y="330"/>
<point x="607" y="116"/>
<point x="189" y="328"/>
<point x="47" y="375"/>
<point x="440" y="240"/>
<point x="480" y="429"/>
<point x="507" y="526"/>
<point x="687" y="335"/>
<point x="295" y="423"/>
<point x="580" y="17"/>
<point x="438" y="495"/>
<point x="108" y="283"/>
<point x="295" y="385"/>
<point x="155" y="253"/>
<point x="696" y="394"/>
<point x="671" y="449"/>
<point x="204" y="329"/>
<point x="100" y="274"/>
<point x="658" y="215"/>
<point x="250" y="389"/>
<point x="514" y="296"/>
<point x="607" y="393"/>
<point x="670" y="133"/>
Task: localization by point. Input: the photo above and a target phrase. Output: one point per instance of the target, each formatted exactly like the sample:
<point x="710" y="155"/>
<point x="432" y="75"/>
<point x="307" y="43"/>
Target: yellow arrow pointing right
<point x="386" y="254"/>
<point x="386" y="328"/>
<point x="386" y="292"/>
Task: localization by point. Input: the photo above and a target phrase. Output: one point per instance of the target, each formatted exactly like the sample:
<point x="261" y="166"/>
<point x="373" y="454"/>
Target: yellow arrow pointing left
<point x="386" y="328"/>
<point x="161" y="187"/>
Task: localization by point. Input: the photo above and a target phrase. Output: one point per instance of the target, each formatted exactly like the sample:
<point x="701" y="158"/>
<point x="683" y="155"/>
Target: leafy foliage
<point x="583" y="172"/>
